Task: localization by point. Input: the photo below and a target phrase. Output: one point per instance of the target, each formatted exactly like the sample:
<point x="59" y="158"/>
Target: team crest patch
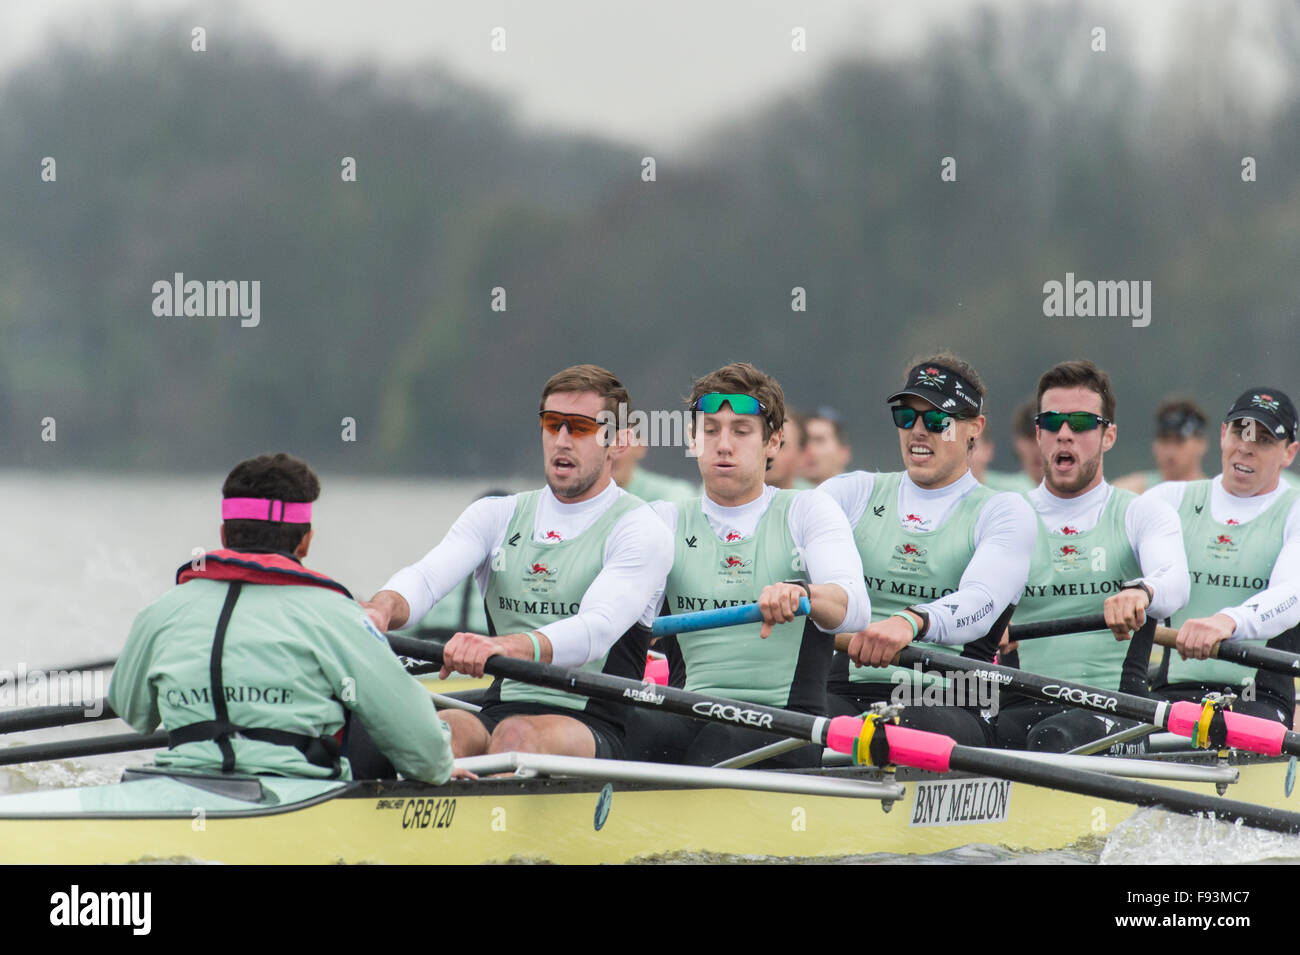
<point x="1067" y="557"/>
<point x="1221" y="547"/>
<point x="1267" y="402"/>
<point x="908" y="559"/>
<point x="735" y="570"/>
<point x="931" y="376"/>
<point x="538" y="578"/>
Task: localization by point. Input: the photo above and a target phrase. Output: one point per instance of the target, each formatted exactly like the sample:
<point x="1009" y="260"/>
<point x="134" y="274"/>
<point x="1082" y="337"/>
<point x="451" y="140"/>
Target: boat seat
<point x="232" y="785"/>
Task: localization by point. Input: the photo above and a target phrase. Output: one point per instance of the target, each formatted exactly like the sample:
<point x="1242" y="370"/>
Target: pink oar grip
<point x="842" y="732"/>
<point x="1246" y="732"/>
<point x="1255" y="734"/>
<point x="1183" y="718"/>
<point x="919" y="748"/>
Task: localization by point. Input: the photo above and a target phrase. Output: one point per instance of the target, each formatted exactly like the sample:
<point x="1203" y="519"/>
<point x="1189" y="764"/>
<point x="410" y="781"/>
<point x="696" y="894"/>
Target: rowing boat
<point x="568" y="810"/>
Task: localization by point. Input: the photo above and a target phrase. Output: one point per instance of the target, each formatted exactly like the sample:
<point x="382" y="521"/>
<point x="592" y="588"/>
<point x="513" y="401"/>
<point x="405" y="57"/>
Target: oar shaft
<point x="770" y="719"/>
<point x="1258" y="658"/>
<point x="1255" y="657"/>
<point x="44" y="717"/>
<point x="1086" y="623"/>
<point x="1244" y="732"/>
<point x="1009" y="766"/>
<point x="68" y="749"/>
<point x="720" y="617"/>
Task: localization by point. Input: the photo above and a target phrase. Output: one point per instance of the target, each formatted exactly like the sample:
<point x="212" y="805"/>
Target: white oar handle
<point x="722" y="617"/>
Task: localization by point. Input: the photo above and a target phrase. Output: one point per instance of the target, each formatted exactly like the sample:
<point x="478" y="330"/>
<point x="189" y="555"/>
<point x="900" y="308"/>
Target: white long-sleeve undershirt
<point x="1276" y="608"/>
<point x="821" y="535"/>
<point x="629" y="588"/>
<point x="1004" y="542"/>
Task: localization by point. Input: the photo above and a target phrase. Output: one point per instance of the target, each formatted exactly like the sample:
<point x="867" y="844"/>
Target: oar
<point x="1221" y="728"/>
<point x="44" y="717"/>
<point x="71" y="748"/>
<point x="722" y="617"/>
<point x="845" y="734"/>
<point x="1234" y="651"/>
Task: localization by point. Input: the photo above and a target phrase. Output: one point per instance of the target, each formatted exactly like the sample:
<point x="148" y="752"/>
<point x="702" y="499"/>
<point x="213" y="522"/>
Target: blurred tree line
<point x="376" y="295"/>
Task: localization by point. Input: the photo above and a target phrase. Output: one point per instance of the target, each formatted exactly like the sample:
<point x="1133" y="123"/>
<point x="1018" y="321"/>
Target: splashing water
<point x="1156" y="837"/>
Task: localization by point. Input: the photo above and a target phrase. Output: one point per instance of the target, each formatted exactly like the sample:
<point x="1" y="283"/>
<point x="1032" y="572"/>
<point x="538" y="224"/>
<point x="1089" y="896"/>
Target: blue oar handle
<point x="722" y="617"/>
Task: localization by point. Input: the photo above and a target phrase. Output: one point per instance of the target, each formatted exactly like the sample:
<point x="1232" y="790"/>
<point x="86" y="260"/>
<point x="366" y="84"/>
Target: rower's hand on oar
<point x="880" y="643"/>
<point x="1197" y="638"/>
<point x="1125" y="612"/>
<point x="778" y="603"/>
<point x="1006" y="644"/>
<point x="467" y="653"/>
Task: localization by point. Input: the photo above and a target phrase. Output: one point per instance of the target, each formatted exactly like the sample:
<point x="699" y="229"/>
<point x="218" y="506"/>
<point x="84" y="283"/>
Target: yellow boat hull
<point x="504" y="820"/>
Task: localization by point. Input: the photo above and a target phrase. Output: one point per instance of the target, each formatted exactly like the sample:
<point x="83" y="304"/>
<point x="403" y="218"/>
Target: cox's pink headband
<point x="264" y="509"/>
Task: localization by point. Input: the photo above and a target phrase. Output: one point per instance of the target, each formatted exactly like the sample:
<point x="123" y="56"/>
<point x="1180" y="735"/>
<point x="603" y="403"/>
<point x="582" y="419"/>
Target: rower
<point x="572" y="575"/>
<point x="745" y="542"/>
<point x="1178" y="447"/>
<point x="1241" y="530"/>
<point x="944" y="557"/>
<point x="783" y="468"/>
<point x="1097" y="546"/>
<point x="826" y="449"/>
<point x="252" y="663"/>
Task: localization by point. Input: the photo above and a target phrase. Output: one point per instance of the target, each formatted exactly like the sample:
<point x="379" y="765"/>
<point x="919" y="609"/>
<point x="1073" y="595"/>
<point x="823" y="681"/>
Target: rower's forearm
<point x="830" y="605"/>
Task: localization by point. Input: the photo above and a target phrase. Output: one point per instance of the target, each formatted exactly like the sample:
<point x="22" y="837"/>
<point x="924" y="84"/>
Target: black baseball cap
<point x="943" y="388"/>
<point x="1270" y="407"/>
<point x="1181" y="421"/>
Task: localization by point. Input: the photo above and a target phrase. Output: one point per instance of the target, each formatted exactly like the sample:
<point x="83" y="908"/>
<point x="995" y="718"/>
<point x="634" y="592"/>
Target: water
<point x="83" y="553"/>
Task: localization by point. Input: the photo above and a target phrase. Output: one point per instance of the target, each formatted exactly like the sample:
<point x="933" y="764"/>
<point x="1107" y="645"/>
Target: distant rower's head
<point x="1076" y="426"/>
<point x="737" y="421"/>
<point x="268" y="493"/>
<point x="1180" y="442"/>
<point x="1024" y="437"/>
<point x="786" y="465"/>
<point x="826" y="451"/>
<point x="939" y="416"/>
<point x="1258" y="439"/>
<point x="580" y="413"/>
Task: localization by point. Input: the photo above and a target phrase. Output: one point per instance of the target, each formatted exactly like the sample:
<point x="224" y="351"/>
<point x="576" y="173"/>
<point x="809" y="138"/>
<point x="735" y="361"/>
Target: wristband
<point x="1139" y="585"/>
<point x="537" y="647"/>
<point x="801" y="583"/>
<point x="910" y="619"/>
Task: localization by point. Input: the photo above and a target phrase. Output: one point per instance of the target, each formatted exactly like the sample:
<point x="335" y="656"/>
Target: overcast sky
<point x="638" y="71"/>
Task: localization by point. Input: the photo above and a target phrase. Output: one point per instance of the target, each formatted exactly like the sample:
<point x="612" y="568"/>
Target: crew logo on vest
<point x="1221" y="547"/>
<point x="539" y="579"/>
<point x="735" y="570"/>
<point x="908" y="559"/>
<point x="1067" y="557"/>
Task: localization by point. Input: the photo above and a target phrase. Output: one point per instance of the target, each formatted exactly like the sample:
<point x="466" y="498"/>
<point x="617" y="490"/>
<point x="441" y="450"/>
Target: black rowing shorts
<point x="609" y="739"/>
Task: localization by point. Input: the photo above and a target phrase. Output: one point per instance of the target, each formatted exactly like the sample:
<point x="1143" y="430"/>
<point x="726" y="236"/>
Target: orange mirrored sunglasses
<point x="579" y="425"/>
